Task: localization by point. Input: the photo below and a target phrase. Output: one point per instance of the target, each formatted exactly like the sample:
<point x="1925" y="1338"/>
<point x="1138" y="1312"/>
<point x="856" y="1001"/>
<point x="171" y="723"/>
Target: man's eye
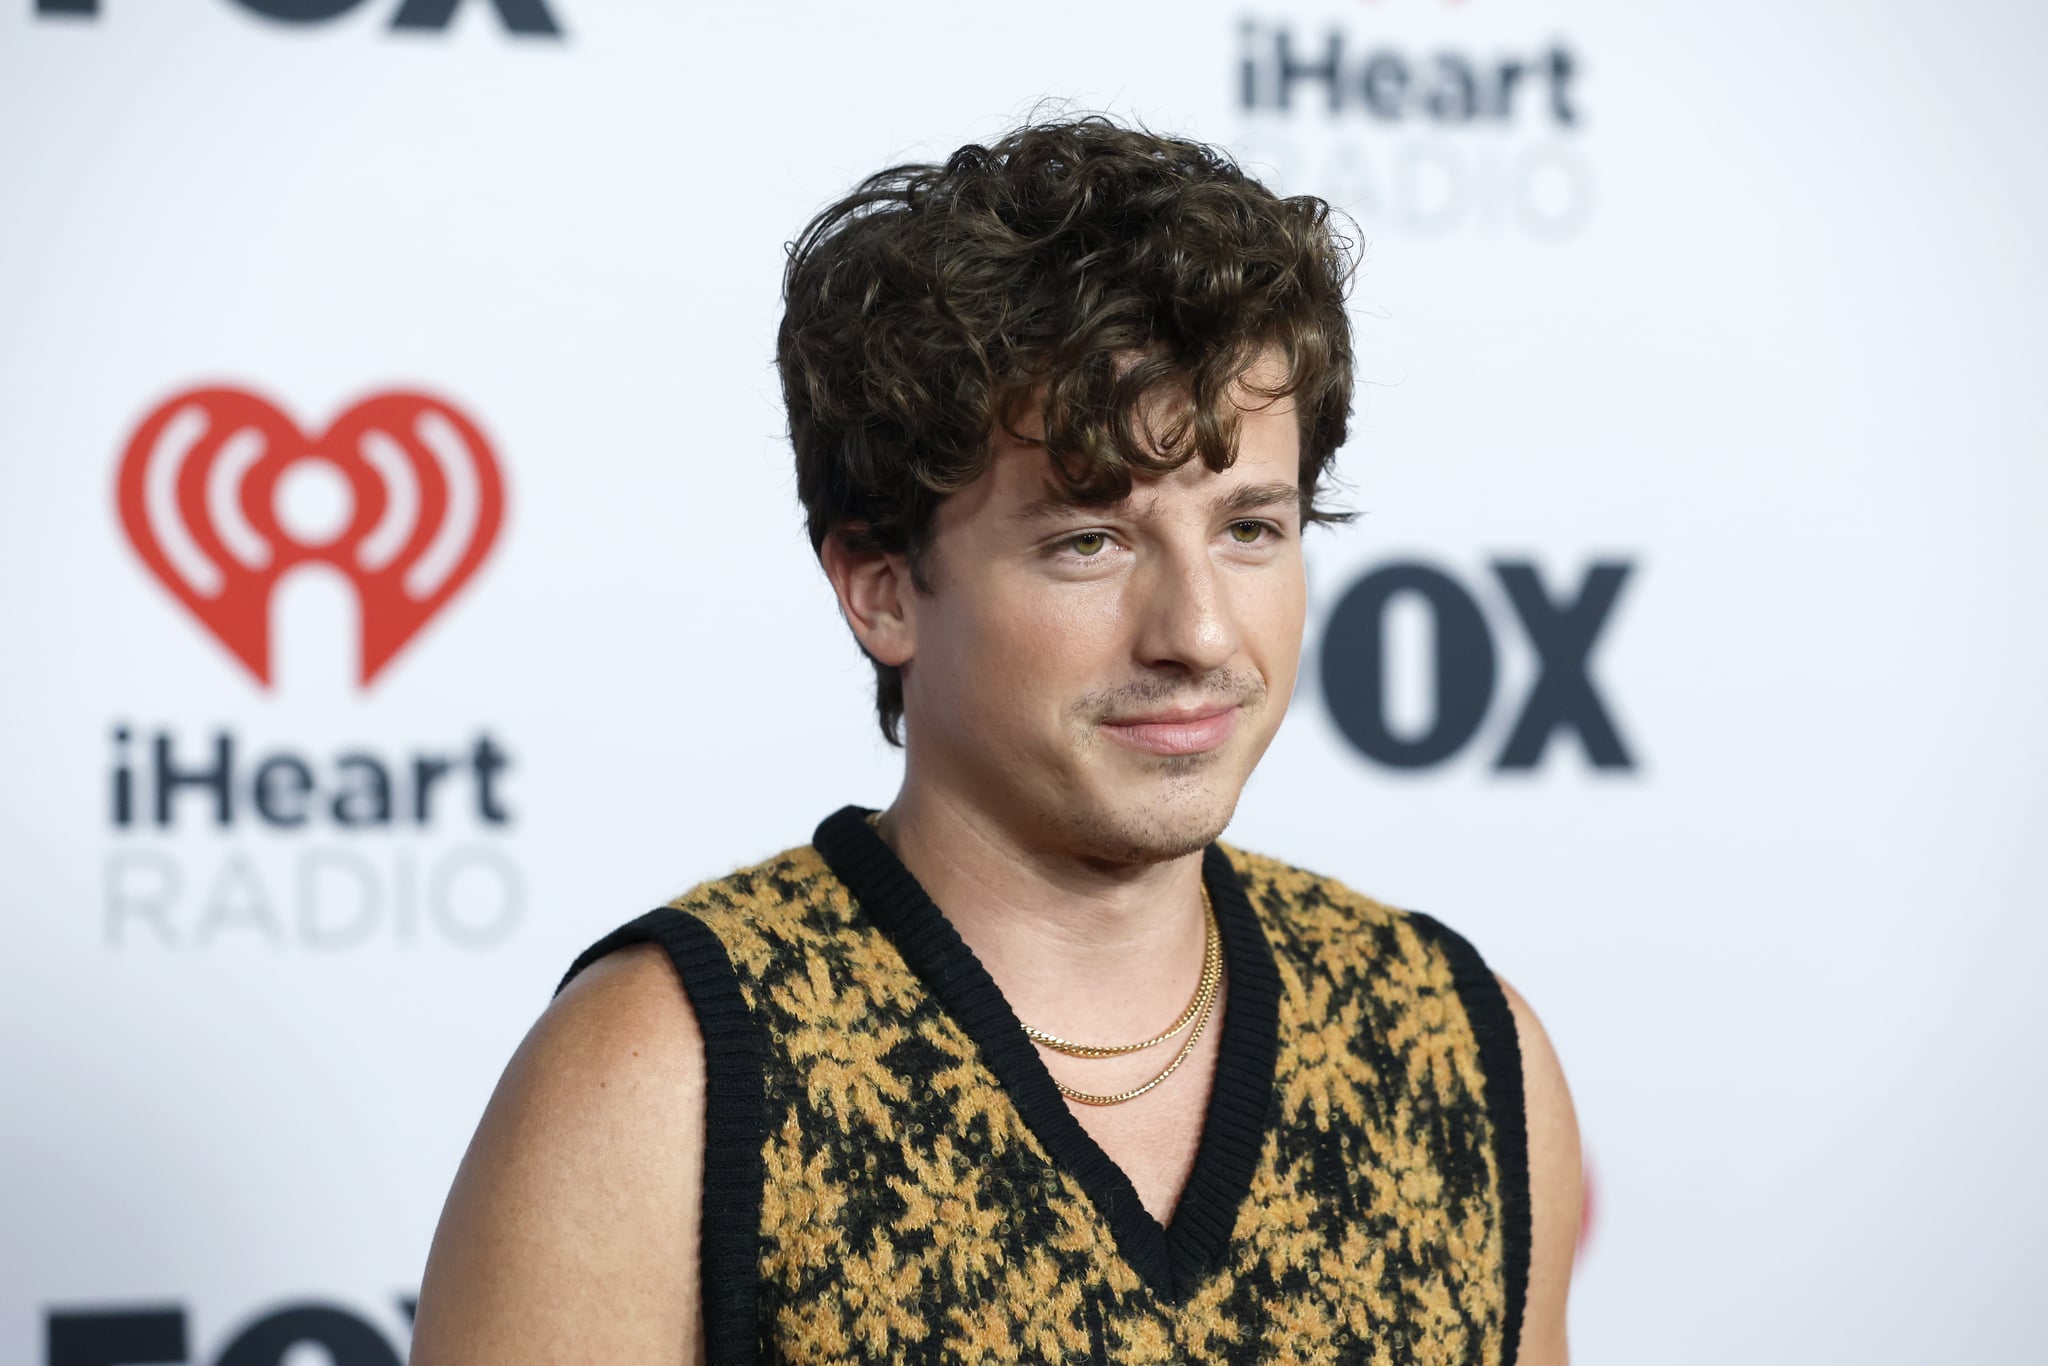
<point x="1247" y="533"/>
<point x="1088" y="544"/>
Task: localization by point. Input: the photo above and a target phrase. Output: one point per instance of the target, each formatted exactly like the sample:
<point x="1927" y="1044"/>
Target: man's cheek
<point x="1034" y="639"/>
<point x="1275" y="635"/>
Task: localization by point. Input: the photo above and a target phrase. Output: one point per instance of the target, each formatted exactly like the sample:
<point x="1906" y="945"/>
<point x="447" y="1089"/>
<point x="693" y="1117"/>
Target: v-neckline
<point x="1173" y="1259"/>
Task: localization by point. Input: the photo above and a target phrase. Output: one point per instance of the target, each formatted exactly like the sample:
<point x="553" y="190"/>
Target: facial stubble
<point x="1175" y="821"/>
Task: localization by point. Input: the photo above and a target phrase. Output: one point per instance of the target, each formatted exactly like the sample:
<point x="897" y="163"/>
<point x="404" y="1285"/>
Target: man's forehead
<point x="1023" y="484"/>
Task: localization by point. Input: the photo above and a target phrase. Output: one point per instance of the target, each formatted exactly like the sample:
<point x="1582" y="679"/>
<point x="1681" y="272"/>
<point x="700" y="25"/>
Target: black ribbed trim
<point x="1175" y="1259"/>
<point x="735" y="1121"/>
<point x="1500" y="1058"/>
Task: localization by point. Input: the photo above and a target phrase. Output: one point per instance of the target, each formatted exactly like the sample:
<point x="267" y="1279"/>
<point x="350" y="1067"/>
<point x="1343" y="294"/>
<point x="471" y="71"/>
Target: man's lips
<point x="1189" y="731"/>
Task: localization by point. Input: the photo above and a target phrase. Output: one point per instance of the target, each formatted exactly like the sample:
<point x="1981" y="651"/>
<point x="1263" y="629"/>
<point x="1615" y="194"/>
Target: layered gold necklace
<point x="1194" y="1019"/>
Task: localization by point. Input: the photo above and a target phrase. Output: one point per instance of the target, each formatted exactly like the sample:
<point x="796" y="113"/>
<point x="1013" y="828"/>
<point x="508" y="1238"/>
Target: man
<point x="1027" y="1066"/>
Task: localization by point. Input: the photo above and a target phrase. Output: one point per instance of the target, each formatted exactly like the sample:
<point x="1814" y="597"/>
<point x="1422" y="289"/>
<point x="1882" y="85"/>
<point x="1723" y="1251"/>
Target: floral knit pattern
<point x="908" y="1211"/>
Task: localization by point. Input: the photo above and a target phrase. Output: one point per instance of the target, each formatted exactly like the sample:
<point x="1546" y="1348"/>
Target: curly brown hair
<point x="1100" y="271"/>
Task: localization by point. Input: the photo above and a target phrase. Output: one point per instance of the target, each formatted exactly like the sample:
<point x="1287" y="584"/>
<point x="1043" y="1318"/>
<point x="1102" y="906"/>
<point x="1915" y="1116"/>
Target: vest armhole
<point x="735" y="1120"/>
<point x="1500" y="1060"/>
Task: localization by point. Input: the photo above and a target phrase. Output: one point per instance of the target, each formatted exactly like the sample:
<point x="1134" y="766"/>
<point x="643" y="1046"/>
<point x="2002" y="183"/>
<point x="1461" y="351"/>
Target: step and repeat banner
<point x="404" y="585"/>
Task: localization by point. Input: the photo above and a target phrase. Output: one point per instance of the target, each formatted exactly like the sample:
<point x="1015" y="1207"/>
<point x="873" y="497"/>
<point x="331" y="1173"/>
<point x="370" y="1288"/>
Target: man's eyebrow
<point x="1051" y="508"/>
<point x="1251" y="497"/>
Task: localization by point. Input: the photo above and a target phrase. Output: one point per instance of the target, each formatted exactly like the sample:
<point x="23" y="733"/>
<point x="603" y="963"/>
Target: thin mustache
<point x="1247" y="693"/>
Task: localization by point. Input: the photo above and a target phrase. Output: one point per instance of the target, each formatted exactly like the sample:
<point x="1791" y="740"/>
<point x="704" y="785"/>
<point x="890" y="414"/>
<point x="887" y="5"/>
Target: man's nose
<point x="1184" y="613"/>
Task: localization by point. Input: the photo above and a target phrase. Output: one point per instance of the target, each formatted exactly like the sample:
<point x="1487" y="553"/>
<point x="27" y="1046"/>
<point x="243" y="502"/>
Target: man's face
<point x="1104" y="678"/>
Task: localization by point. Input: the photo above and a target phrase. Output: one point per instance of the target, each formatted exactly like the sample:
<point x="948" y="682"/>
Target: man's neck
<point x="1083" y="949"/>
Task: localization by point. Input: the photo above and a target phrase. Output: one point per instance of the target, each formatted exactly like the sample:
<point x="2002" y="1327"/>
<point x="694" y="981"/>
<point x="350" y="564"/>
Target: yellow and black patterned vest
<point x="890" y="1174"/>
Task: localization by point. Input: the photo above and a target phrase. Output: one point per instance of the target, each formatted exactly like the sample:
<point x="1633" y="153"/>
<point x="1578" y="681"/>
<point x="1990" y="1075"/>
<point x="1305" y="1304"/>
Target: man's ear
<point x="875" y="596"/>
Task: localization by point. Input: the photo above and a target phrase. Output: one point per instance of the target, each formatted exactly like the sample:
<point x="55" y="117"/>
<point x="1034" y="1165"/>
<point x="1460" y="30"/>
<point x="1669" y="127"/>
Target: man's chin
<point x="1164" y="827"/>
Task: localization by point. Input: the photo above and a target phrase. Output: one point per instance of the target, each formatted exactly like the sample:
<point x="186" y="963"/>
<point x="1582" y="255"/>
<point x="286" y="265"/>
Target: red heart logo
<point x="198" y="493"/>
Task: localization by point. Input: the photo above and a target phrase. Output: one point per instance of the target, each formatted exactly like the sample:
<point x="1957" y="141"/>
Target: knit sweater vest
<point x="890" y="1173"/>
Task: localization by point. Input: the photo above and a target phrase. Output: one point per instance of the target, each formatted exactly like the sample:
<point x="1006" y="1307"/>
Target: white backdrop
<point x="1745" y="300"/>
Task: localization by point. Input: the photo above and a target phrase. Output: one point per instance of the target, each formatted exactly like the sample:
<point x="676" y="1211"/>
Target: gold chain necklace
<point x="1197" y="1015"/>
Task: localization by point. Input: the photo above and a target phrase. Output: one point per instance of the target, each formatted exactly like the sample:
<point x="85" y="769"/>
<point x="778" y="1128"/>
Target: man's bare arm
<point x="571" y="1233"/>
<point x="1555" y="1188"/>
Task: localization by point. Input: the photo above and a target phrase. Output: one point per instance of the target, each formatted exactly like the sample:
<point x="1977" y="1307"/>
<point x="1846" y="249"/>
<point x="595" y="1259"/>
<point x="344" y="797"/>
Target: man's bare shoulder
<point x="571" y="1231"/>
<point x="625" y="1020"/>
<point x="1556" y="1189"/>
